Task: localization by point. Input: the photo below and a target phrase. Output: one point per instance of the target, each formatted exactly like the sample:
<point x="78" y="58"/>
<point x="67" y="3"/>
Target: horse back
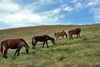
<point x="13" y="43"/>
<point x="60" y="33"/>
<point x="75" y="31"/>
<point x="40" y="38"/>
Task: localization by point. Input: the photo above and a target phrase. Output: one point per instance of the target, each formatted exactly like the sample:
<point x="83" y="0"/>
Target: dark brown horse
<point x="60" y="34"/>
<point x="74" y="31"/>
<point x="43" y="38"/>
<point x="13" y="44"/>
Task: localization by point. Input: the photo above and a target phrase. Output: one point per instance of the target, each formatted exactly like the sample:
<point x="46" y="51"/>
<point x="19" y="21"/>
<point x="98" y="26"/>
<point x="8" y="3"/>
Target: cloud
<point x="78" y="6"/>
<point x="38" y="12"/>
<point x="7" y="5"/>
<point x="75" y="1"/>
<point x="97" y="15"/>
<point x="42" y="2"/>
<point x="19" y="17"/>
<point x="93" y="2"/>
<point x="68" y="9"/>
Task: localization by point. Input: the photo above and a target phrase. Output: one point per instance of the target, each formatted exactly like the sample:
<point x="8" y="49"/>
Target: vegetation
<point x="81" y="52"/>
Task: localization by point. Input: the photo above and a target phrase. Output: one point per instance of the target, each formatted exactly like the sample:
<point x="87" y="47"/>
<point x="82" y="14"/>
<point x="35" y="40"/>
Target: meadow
<point x="79" y="52"/>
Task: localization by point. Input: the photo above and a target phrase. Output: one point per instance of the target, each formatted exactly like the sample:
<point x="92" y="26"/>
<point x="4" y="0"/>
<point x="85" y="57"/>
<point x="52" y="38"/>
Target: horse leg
<point x="5" y="54"/>
<point x="34" y="45"/>
<point x="43" y="44"/>
<point x="71" y="37"/>
<point x="47" y="44"/>
<point x="62" y="36"/>
<point x="79" y="35"/>
<point x="18" y="52"/>
<point x="58" y="37"/>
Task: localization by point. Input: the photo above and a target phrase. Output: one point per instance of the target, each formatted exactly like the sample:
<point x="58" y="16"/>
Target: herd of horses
<point x="18" y="43"/>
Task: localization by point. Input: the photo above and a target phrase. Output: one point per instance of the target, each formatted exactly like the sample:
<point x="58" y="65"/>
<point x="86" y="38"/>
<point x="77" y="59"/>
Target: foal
<point x="60" y="34"/>
<point x="43" y="38"/>
<point x="13" y="44"/>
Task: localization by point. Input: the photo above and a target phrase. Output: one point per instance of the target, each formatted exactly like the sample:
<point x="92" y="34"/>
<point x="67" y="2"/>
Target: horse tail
<point x="32" y="40"/>
<point x="1" y="47"/>
<point x="69" y="33"/>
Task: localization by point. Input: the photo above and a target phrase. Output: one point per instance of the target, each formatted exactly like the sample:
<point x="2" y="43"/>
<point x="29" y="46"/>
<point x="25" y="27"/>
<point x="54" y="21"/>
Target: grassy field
<point x="81" y="52"/>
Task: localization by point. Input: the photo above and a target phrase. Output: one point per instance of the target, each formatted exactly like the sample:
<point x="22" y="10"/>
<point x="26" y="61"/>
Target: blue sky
<point x="24" y="13"/>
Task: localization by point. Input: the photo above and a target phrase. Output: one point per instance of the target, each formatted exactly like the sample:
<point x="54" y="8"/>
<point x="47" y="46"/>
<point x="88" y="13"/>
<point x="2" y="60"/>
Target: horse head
<point x="53" y="40"/>
<point x="27" y="50"/>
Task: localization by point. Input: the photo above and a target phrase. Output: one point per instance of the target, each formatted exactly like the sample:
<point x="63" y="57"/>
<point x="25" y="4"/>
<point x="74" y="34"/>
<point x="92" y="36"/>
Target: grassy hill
<point x="81" y="52"/>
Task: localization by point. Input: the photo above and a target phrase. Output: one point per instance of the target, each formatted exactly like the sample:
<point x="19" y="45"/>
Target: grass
<point x="81" y="52"/>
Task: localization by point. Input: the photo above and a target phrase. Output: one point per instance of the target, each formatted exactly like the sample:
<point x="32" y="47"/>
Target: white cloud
<point x="94" y="2"/>
<point x="74" y="1"/>
<point x="97" y="15"/>
<point x="68" y="9"/>
<point x="65" y="7"/>
<point x="78" y="6"/>
<point x="22" y="16"/>
<point x="8" y="6"/>
<point x="30" y="14"/>
<point x="42" y="2"/>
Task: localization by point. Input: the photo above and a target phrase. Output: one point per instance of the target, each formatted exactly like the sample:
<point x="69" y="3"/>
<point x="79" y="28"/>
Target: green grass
<point x="81" y="52"/>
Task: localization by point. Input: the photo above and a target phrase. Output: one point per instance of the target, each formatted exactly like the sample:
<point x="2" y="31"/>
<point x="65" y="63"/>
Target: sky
<point x="25" y="13"/>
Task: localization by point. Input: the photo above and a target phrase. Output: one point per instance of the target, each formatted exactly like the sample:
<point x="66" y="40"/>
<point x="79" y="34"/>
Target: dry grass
<point x="82" y="52"/>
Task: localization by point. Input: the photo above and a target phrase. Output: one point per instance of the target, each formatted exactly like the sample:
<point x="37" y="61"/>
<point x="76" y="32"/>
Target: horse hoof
<point x="32" y="47"/>
<point x="42" y="47"/>
<point x="47" y="46"/>
<point x="6" y="57"/>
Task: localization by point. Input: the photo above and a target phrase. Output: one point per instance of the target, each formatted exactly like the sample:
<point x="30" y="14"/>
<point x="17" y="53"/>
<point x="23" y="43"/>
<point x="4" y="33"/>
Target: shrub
<point x="61" y="58"/>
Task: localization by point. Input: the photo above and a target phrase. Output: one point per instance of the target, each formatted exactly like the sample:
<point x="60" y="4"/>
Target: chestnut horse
<point x="43" y="38"/>
<point x="74" y="31"/>
<point x="13" y="44"/>
<point x="60" y="34"/>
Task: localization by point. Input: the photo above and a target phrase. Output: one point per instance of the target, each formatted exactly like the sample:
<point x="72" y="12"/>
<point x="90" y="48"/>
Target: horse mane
<point x="24" y="41"/>
<point x="49" y="37"/>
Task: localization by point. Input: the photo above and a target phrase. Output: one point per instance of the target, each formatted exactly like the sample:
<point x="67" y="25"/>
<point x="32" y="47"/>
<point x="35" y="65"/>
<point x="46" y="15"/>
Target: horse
<point x="13" y="44"/>
<point x="44" y="39"/>
<point x="60" y="34"/>
<point x="74" y="31"/>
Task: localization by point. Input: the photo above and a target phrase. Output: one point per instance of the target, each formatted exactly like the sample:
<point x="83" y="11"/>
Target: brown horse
<point x="13" y="44"/>
<point x="43" y="38"/>
<point x="60" y="34"/>
<point x="74" y="31"/>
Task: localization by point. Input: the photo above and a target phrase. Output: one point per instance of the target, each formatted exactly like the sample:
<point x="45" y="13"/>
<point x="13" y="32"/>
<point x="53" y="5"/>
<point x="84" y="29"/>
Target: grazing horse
<point x="60" y="34"/>
<point x="74" y="31"/>
<point x="13" y="44"/>
<point x="43" y="38"/>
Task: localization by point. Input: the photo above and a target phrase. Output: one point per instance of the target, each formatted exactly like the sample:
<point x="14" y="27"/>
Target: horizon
<point x="23" y="13"/>
<point x="46" y="25"/>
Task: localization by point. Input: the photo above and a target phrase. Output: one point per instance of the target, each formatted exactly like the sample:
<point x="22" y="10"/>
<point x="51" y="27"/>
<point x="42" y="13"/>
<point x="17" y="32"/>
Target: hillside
<point x="81" y="52"/>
